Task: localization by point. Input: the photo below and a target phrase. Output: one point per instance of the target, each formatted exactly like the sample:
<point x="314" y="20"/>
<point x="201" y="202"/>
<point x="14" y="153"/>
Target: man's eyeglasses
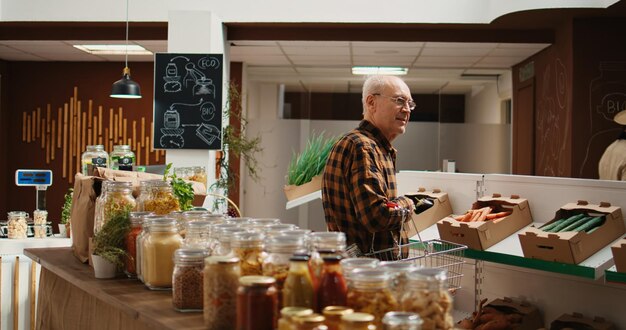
<point x="399" y="101"/>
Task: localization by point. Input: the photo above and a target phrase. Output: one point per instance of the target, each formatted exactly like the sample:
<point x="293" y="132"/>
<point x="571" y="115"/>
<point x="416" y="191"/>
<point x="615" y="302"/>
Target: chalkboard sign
<point x="188" y="101"/>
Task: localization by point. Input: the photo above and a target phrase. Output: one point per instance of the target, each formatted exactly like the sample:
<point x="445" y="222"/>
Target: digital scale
<point x="41" y="180"/>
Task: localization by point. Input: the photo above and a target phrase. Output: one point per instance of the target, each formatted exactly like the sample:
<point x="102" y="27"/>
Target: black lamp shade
<point x="126" y="88"/>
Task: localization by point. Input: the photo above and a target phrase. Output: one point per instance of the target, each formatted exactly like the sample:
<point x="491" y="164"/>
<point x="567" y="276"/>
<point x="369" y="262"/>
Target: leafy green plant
<point x="311" y="161"/>
<point x="66" y="211"/>
<point x="182" y="190"/>
<point x="108" y="242"/>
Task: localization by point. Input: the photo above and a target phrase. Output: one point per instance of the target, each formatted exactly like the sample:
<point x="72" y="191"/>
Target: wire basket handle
<point x="230" y="202"/>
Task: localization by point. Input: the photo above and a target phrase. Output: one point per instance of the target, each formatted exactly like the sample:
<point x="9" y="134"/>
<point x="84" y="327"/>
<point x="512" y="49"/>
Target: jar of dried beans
<point x="187" y="280"/>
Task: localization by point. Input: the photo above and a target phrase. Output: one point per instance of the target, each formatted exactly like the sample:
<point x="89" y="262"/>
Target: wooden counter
<point x="72" y="298"/>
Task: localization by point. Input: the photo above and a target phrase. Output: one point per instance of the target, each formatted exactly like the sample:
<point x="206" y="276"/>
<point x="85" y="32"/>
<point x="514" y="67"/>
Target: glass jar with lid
<point x="276" y="264"/>
<point x="117" y="201"/>
<point x="130" y="241"/>
<point x="224" y="236"/>
<point x="399" y="271"/>
<point x="198" y="235"/>
<point x="248" y="247"/>
<point x="221" y="280"/>
<point x="369" y="293"/>
<point x="198" y="174"/>
<point x="187" y="280"/>
<point x="186" y="217"/>
<point x="157" y="196"/>
<point x="357" y="321"/>
<point x="325" y="243"/>
<point x="16" y="224"/>
<point x="427" y="296"/>
<point x="402" y="321"/>
<point x="288" y="313"/>
<point x="350" y="264"/>
<point x="256" y="303"/>
<point x="158" y="249"/>
<point x="331" y="288"/>
<point x="93" y="157"/>
<point x="40" y="222"/>
<point x="259" y="224"/>
<point x="298" y="289"/>
<point x="122" y="158"/>
<point x="139" y="242"/>
<point x="309" y="322"/>
<point x="333" y="315"/>
<point x="274" y="230"/>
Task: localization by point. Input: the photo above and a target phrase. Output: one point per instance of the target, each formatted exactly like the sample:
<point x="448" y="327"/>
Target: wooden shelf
<point x="304" y="199"/>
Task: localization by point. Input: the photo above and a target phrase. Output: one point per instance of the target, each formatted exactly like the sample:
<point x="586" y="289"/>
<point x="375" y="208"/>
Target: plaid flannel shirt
<point x="358" y="182"/>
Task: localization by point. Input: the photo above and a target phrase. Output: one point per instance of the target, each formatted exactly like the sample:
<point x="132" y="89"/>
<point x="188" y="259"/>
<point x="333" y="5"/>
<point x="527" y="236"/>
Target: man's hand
<point x="421" y="204"/>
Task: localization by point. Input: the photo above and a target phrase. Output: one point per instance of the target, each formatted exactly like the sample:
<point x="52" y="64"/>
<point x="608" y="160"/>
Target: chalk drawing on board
<point x="172" y="79"/>
<point x="209" y="62"/>
<point x="192" y="75"/>
<point x="207" y="111"/>
<point x="206" y="132"/>
<point x="172" y="138"/>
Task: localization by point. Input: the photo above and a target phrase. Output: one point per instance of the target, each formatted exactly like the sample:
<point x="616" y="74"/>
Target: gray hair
<point x="372" y="85"/>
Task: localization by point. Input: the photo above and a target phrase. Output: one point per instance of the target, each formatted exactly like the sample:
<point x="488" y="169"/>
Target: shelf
<point x="612" y="275"/>
<point x="304" y="199"/>
<point x="509" y="252"/>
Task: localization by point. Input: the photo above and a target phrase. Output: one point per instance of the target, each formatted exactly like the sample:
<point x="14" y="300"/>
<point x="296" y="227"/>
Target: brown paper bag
<point x="86" y="190"/>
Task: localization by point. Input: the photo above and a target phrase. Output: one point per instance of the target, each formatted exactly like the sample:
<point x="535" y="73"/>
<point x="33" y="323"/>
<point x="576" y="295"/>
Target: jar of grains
<point x="248" y="247"/>
<point x="16" y="224"/>
<point x="369" y="293"/>
<point x="257" y="303"/>
<point x="159" y="245"/>
<point x="426" y="295"/>
<point x="187" y="280"/>
<point x="221" y="280"/>
<point x="157" y="196"/>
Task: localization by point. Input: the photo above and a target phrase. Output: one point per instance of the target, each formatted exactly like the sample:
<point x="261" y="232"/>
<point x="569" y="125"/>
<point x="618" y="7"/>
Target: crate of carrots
<point x="490" y="220"/>
<point x="577" y="231"/>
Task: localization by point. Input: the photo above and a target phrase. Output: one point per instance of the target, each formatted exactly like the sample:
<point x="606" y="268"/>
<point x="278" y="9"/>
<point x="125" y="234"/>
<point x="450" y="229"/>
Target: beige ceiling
<point x="324" y="66"/>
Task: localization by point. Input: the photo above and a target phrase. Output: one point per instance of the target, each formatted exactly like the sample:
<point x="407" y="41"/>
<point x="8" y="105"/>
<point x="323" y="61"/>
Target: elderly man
<point x="359" y="190"/>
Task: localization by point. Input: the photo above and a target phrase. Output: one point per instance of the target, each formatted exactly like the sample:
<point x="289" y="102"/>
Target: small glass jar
<point x="93" y="157"/>
<point x="309" y="322"/>
<point x="139" y="243"/>
<point x="221" y="280"/>
<point x="288" y="313"/>
<point x="427" y="296"/>
<point x="350" y="264"/>
<point x="399" y="280"/>
<point x="248" y="247"/>
<point x="16" y="224"/>
<point x="122" y="158"/>
<point x="276" y="264"/>
<point x="158" y="249"/>
<point x="298" y="290"/>
<point x="198" y="174"/>
<point x="117" y="201"/>
<point x="357" y="321"/>
<point x="402" y="321"/>
<point x="187" y="280"/>
<point x="157" y="196"/>
<point x="198" y="235"/>
<point x="130" y="241"/>
<point x="256" y="303"/>
<point x="275" y="230"/>
<point x="369" y="293"/>
<point x="40" y="222"/>
<point x="333" y="315"/>
<point x="325" y="243"/>
<point x="224" y="237"/>
<point x="186" y="217"/>
<point x="331" y="288"/>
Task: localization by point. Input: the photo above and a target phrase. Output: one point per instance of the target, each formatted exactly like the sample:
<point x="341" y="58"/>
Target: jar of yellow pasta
<point x="369" y="292"/>
<point x="426" y="295"/>
<point x="157" y="196"/>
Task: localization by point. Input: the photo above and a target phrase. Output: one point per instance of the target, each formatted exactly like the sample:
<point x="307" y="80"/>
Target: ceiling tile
<point x="254" y="50"/>
<point x="530" y="46"/>
<point x="321" y="70"/>
<point x="383" y="60"/>
<point x="319" y="60"/>
<point x="448" y="61"/>
<point x="267" y="60"/>
<point x="292" y="50"/>
<point x="253" y="43"/>
<point x="386" y="44"/>
<point x="452" y="52"/>
<point x="300" y="43"/>
<point x="483" y="45"/>
<point x="385" y="51"/>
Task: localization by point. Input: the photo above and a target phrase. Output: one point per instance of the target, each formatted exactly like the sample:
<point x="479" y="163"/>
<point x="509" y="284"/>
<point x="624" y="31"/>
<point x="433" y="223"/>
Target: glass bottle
<point x="122" y="158"/>
<point x="117" y="201"/>
<point x="288" y="313"/>
<point x="358" y="321"/>
<point x="187" y="280"/>
<point x="16" y="224"/>
<point x="130" y="241"/>
<point x="298" y="290"/>
<point x="221" y="280"/>
<point x="325" y="243"/>
<point x="309" y="322"/>
<point x="93" y="157"/>
<point x="427" y="296"/>
<point x="332" y="289"/>
<point x="399" y="280"/>
<point x="248" y="247"/>
<point x="40" y="222"/>
<point x="276" y="264"/>
<point x="402" y="321"/>
<point x="369" y="292"/>
<point x="157" y="196"/>
<point x="333" y="315"/>
<point x="159" y="245"/>
<point x="256" y="303"/>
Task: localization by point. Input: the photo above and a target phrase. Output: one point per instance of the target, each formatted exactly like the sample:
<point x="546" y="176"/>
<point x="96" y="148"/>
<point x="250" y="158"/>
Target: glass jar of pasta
<point x="350" y="264"/>
<point x="426" y="295"/>
<point x="16" y="224"/>
<point x="157" y="196"/>
<point x="187" y="280"/>
<point x="256" y="303"/>
<point x="369" y="293"/>
<point x="402" y="321"/>
<point x="221" y="280"/>
<point x="122" y="158"/>
<point x="158" y="249"/>
<point x="398" y="272"/>
<point x="118" y="201"/>
<point x="276" y="264"/>
<point x="248" y="247"/>
<point x="40" y="222"/>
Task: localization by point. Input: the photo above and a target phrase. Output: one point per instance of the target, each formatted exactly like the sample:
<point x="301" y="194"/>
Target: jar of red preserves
<point x="332" y="290"/>
<point x="257" y="303"/>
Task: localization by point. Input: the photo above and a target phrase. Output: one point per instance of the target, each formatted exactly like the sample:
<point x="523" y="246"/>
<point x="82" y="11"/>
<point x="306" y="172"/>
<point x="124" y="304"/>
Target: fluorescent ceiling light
<point x="113" y="49"/>
<point x="384" y="70"/>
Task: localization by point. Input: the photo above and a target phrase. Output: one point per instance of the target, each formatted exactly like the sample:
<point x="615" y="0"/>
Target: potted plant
<point x="108" y="246"/>
<point x="66" y="212"/>
<point x="304" y="174"/>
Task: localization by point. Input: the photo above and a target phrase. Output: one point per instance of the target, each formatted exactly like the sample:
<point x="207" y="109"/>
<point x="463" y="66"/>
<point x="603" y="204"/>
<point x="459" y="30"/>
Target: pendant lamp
<point x="126" y="88"/>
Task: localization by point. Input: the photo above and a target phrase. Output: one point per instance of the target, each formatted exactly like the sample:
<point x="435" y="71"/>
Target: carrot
<point x="502" y="214"/>
<point x="467" y="217"/>
<point x="483" y="213"/>
<point x="475" y="215"/>
<point x="459" y="217"/>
